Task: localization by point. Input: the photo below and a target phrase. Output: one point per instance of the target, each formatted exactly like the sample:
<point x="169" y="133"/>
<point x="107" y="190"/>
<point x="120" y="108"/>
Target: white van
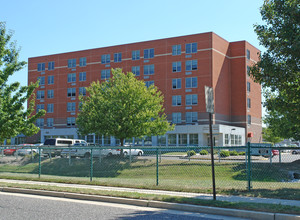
<point x="52" y="143"/>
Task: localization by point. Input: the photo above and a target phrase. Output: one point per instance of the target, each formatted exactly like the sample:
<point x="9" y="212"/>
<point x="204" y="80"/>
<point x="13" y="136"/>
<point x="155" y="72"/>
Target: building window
<point x="71" y="106"/>
<point x="41" y="67"/>
<point x="191" y="65"/>
<point x="176" y="83"/>
<point x="232" y="139"/>
<point x="40" y="122"/>
<point x="71" y="92"/>
<point x="50" y="122"/>
<point x="50" y="80"/>
<point x="105" y="74"/>
<point x="149" y="83"/>
<point x="148" y="53"/>
<point x="248" y="54"/>
<point x="51" y="65"/>
<point x="117" y="57"/>
<point x="71" y="121"/>
<point x="82" y="61"/>
<point x="79" y="106"/>
<point x="182" y="139"/>
<point x="176" y="117"/>
<point x="135" y="55"/>
<point x="40" y="94"/>
<point x="193" y="139"/>
<point x="191" y="48"/>
<point x="248" y="70"/>
<point x="248" y="103"/>
<point x="149" y="69"/>
<point x="82" y="76"/>
<point x="176" y="50"/>
<point x="191" y="82"/>
<point x="226" y="139"/>
<point x="248" y="87"/>
<point x="176" y="100"/>
<point x="71" y="77"/>
<point x="105" y="58"/>
<point x="71" y="63"/>
<point x="176" y="67"/>
<point x="41" y="80"/>
<point x="191" y="99"/>
<point x="249" y="119"/>
<point x="50" y="108"/>
<point x="172" y="139"/>
<point x="50" y="94"/>
<point x="191" y="117"/>
<point x="39" y="107"/>
<point x="82" y="91"/>
<point x="135" y="70"/>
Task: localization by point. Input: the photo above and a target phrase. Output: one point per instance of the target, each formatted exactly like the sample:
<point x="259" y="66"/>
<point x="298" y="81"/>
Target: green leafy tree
<point x="122" y="107"/>
<point x="268" y="136"/>
<point x="279" y="67"/>
<point x="14" y="119"/>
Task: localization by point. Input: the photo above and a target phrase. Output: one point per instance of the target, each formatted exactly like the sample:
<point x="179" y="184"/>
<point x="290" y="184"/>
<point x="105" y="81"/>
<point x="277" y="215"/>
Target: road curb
<point x="158" y="204"/>
<point x="213" y="210"/>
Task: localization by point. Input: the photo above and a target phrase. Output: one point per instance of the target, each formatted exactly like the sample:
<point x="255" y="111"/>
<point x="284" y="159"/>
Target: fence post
<point x="279" y="156"/>
<point x="91" y="171"/>
<point x="157" y="166"/>
<point x="31" y="153"/>
<point x="40" y="167"/>
<point x="270" y="150"/>
<point x="249" y="166"/>
<point x="70" y="156"/>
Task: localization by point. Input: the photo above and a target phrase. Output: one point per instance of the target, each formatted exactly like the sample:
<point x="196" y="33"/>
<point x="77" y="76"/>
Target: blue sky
<point x="56" y="26"/>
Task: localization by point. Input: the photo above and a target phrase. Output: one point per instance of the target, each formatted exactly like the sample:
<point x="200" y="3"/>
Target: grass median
<point x="174" y="175"/>
<point x="272" y="208"/>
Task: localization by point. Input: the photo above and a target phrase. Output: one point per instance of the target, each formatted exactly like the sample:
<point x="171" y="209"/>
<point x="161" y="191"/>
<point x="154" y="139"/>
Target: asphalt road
<point x="22" y="206"/>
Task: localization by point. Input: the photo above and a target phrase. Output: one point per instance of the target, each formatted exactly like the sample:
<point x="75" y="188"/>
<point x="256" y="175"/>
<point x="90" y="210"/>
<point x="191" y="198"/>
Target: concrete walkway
<point x="161" y="192"/>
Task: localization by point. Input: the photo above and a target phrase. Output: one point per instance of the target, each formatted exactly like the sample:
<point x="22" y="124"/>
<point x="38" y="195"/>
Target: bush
<point x="191" y="153"/>
<point x="203" y="152"/>
<point x="233" y="153"/>
<point x="242" y="153"/>
<point x="224" y="153"/>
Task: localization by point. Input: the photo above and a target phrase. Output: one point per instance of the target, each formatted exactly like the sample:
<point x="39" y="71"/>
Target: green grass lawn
<point x="179" y="175"/>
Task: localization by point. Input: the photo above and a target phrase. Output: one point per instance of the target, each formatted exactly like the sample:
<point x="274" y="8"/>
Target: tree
<point x="14" y="119"/>
<point x="279" y="67"/>
<point x="270" y="137"/>
<point x="122" y="107"/>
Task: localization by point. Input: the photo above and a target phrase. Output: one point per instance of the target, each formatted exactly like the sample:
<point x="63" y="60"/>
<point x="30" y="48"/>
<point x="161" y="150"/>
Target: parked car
<point x="54" y="146"/>
<point x="20" y="149"/>
<point x="134" y="152"/>
<point x="82" y="150"/>
<point x="10" y="151"/>
<point x="296" y="151"/>
<point x="27" y="149"/>
<point x="275" y="153"/>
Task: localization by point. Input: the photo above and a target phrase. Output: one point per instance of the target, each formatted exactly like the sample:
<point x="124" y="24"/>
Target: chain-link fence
<point x="170" y="168"/>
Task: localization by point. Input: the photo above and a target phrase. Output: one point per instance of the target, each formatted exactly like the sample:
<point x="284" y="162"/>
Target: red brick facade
<point x="220" y="64"/>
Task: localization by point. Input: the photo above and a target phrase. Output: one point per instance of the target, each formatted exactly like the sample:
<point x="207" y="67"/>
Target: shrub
<point x="203" y="152"/>
<point x="224" y="153"/>
<point x="242" y="153"/>
<point x="233" y="153"/>
<point x="191" y="153"/>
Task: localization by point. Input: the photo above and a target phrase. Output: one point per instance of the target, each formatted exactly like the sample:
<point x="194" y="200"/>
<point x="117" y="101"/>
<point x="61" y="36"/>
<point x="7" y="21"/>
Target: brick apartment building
<point x="180" y="67"/>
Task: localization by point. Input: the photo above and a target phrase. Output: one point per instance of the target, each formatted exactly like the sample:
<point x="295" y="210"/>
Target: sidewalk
<point x="170" y="193"/>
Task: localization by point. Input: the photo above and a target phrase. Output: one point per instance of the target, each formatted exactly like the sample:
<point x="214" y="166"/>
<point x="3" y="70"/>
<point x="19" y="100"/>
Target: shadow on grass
<point x="266" y="172"/>
<point x="282" y="193"/>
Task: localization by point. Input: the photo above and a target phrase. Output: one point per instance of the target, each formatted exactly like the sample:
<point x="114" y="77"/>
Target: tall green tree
<point x="279" y="67"/>
<point x="122" y="107"/>
<point x="270" y="137"/>
<point x="14" y="119"/>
